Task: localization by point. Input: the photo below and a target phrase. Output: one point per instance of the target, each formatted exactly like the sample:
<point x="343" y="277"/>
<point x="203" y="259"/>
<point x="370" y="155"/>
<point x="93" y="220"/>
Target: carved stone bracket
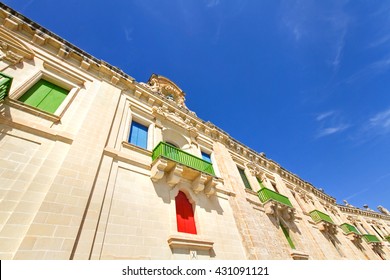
<point x="198" y="183"/>
<point x="354" y="237"/>
<point x="212" y="185"/>
<point x="277" y="209"/>
<point x="327" y="227"/>
<point x="175" y="172"/>
<point x="175" y="175"/>
<point x="158" y="169"/>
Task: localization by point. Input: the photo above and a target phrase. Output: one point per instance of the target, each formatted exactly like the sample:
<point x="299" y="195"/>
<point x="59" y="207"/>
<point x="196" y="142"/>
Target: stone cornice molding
<point x="361" y="212"/>
<point x="21" y="29"/>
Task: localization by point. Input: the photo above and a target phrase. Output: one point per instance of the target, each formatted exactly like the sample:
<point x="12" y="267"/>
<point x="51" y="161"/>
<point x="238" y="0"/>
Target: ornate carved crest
<point x="167" y="88"/>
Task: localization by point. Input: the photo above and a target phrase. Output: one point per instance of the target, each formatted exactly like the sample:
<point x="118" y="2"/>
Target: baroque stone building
<point x="95" y="165"/>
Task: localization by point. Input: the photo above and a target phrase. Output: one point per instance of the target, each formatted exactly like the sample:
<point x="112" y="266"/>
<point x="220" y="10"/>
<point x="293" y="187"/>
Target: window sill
<point x="190" y="241"/>
<point x="32" y="110"/>
<point x="135" y="148"/>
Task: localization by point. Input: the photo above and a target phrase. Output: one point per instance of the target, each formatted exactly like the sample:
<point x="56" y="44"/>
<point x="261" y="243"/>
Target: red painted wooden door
<point x="184" y="214"/>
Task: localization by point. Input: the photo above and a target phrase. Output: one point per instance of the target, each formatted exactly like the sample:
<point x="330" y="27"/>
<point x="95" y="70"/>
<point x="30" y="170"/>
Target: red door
<point x="184" y="214"/>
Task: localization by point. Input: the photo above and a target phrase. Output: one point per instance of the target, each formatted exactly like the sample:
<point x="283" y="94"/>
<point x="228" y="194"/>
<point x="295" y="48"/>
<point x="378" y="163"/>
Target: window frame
<point x="133" y="122"/>
<point x="245" y="181"/>
<point x="56" y="80"/>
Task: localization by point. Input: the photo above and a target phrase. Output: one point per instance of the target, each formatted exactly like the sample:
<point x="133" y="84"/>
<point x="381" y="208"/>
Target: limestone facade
<point x="72" y="186"/>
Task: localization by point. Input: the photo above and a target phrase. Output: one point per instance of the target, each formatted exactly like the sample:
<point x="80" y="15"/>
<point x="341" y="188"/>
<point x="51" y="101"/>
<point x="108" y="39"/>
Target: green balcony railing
<point x="318" y="216"/>
<point x="347" y="228"/>
<point x="172" y="153"/>
<point x="370" y="238"/>
<point x="267" y="194"/>
<point x="5" y="85"/>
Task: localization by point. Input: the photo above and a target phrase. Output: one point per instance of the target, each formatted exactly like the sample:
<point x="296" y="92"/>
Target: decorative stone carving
<point x="198" y="183"/>
<point x="253" y="168"/>
<point x="365" y="206"/>
<point x="174" y="176"/>
<point x="157" y="170"/>
<point x="167" y="88"/>
<point x="383" y="210"/>
<point x="347" y="204"/>
<point x="175" y="172"/>
<point x="277" y="209"/>
<point x="13" y="50"/>
<point x="164" y="113"/>
<point x="327" y="227"/>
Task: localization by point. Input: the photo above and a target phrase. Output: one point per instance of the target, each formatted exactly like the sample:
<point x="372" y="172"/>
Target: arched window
<point x="184" y="214"/>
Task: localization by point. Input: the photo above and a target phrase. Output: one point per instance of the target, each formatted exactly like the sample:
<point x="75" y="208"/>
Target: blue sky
<point x="305" y="82"/>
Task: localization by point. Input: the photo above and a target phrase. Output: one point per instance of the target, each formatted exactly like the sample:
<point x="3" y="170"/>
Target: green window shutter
<point x="287" y="235"/>
<point x="260" y="183"/>
<point x="244" y="178"/>
<point x="45" y="96"/>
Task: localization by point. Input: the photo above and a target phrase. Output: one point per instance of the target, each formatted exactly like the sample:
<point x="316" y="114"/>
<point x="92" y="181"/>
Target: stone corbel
<point x="288" y="214"/>
<point x="157" y="170"/>
<point x="198" y="183"/>
<point x="327" y="227"/>
<point x="270" y="207"/>
<point x="354" y="237"/>
<point x="211" y="186"/>
<point x="175" y="175"/>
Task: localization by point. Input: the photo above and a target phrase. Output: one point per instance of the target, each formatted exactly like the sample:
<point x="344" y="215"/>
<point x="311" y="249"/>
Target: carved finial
<point x="367" y="208"/>
<point x="347" y="204"/>
<point x="383" y="210"/>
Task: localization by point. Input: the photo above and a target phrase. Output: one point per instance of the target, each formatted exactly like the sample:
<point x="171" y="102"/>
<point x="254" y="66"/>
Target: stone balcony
<point x="176" y="165"/>
<point x="372" y="240"/>
<point x="351" y="232"/>
<point x="276" y="204"/>
<point x="323" y="221"/>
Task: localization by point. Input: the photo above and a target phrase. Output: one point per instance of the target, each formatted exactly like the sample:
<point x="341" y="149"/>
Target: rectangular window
<point x="45" y="96"/>
<point x="206" y="157"/>
<point x="138" y="135"/>
<point x="244" y="178"/>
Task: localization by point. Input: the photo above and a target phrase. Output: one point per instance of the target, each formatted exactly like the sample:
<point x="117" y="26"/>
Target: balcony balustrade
<point x="175" y="164"/>
<point x="323" y="221"/>
<point x="275" y="203"/>
<point x="351" y="232"/>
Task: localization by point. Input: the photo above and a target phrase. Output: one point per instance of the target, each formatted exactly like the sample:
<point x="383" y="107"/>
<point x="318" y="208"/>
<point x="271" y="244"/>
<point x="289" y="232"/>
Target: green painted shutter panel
<point x="45" y="96"/>
<point x="244" y="178"/>
<point x="53" y="99"/>
<point x="35" y="94"/>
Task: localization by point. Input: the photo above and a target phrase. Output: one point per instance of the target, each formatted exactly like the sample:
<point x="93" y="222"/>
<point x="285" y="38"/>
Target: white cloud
<point x="325" y="115"/>
<point x="380" y="121"/>
<point x="128" y="33"/>
<point x="331" y="130"/>
<point x="331" y="122"/>
<point x="212" y="3"/>
<point x="374" y="127"/>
